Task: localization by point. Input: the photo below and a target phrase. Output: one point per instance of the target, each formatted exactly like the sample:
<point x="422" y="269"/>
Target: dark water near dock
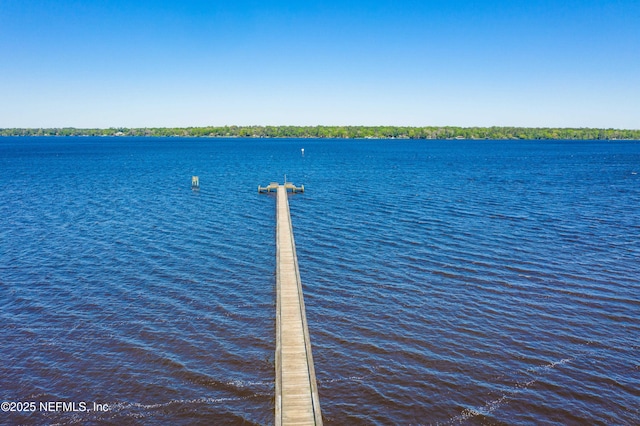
<point x="446" y="282"/>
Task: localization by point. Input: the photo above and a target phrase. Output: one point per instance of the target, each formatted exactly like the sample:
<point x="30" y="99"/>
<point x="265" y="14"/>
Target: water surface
<point x="446" y="282"/>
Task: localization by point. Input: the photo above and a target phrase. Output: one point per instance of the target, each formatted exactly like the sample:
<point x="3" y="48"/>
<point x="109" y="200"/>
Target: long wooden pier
<point x="296" y="399"/>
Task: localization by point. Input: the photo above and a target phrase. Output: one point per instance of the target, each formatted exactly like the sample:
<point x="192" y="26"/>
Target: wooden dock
<point x="296" y="399"/>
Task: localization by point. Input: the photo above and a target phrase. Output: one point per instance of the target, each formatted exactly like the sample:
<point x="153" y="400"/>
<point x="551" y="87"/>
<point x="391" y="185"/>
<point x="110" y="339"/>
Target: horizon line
<point x="318" y="126"/>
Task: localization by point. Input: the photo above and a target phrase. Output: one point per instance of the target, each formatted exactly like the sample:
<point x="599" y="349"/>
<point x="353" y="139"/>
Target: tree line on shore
<point x="348" y="132"/>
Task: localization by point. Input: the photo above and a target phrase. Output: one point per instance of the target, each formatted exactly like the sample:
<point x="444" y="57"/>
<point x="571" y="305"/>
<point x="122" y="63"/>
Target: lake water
<point x="446" y="282"/>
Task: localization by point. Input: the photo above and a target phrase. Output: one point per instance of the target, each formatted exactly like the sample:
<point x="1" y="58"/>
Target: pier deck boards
<point x="296" y="401"/>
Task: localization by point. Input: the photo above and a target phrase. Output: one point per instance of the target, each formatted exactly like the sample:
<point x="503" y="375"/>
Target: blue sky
<point x="431" y="62"/>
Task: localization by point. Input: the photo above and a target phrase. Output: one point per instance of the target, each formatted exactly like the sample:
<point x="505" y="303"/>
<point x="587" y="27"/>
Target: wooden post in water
<point x="296" y="400"/>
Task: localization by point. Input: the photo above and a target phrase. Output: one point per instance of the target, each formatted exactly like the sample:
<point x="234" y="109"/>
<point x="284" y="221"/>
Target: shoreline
<point x="338" y="132"/>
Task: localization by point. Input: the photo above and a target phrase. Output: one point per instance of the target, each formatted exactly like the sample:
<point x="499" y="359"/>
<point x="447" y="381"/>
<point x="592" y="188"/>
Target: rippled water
<point x="446" y="282"/>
